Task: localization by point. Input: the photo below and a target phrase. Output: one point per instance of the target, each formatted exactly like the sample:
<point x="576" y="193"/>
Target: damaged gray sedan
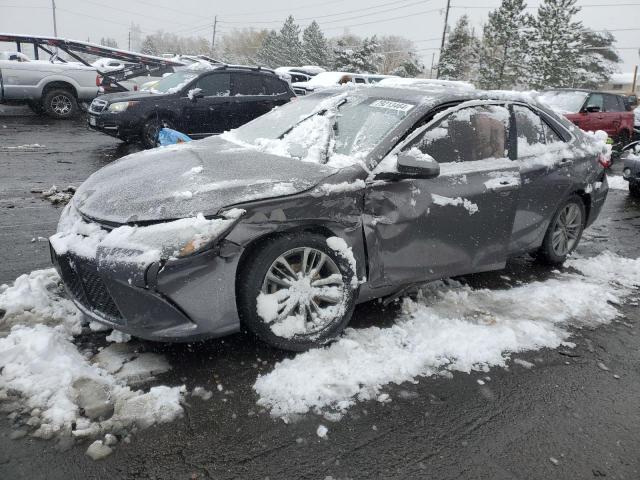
<point x="286" y="223"/>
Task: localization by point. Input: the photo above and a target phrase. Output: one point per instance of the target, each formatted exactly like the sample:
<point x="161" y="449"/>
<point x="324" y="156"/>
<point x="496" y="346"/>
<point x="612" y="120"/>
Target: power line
<point x="134" y="13"/>
<point x="422" y="2"/>
<point x="384" y="20"/>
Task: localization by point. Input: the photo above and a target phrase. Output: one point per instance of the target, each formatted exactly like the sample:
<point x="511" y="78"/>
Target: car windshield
<point x="564" y="102"/>
<point x="174" y="82"/>
<point x="336" y="130"/>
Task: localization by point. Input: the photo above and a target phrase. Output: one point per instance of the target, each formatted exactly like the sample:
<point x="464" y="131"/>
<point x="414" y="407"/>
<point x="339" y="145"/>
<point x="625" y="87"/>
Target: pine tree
<point x="555" y="45"/>
<point x="459" y="57"/>
<point x="363" y="60"/>
<point x="270" y="51"/>
<point x="292" y="52"/>
<point x="598" y="59"/>
<point x="148" y="46"/>
<point x="316" y="47"/>
<point x="503" y="49"/>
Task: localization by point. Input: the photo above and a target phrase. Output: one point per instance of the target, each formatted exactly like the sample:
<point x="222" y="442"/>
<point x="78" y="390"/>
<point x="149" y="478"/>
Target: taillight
<point x="98" y="80"/>
<point x="135" y="88"/>
<point x="604" y="160"/>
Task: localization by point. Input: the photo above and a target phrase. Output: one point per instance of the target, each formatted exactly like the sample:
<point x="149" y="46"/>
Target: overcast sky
<point x="418" y="20"/>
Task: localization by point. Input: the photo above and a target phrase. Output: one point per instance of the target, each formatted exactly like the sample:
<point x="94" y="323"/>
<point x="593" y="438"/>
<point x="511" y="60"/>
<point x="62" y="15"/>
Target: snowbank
<point x="52" y="388"/>
<point x="450" y="327"/>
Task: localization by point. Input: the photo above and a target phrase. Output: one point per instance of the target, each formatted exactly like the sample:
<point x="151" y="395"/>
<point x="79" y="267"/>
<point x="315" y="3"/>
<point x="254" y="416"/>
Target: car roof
<point x="585" y="90"/>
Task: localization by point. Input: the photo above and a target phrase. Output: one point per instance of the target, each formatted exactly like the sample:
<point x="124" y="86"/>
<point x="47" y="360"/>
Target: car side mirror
<point x="592" y="109"/>
<point x="412" y="166"/>
<point x="195" y="94"/>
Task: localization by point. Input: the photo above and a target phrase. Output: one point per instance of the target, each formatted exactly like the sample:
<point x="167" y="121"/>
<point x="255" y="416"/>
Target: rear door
<point x="612" y="115"/>
<point x="211" y="113"/>
<point x="253" y="95"/>
<point x="545" y="163"/>
<point x="459" y="222"/>
<point x="595" y="120"/>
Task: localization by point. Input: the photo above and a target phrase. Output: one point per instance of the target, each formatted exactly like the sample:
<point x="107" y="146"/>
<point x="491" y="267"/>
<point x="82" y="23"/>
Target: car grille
<point x="97" y="106"/>
<point x="86" y="286"/>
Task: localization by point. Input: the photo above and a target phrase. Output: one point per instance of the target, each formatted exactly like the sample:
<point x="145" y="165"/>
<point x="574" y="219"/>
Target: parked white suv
<point x="331" y="79"/>
<point x="47" y="87"/>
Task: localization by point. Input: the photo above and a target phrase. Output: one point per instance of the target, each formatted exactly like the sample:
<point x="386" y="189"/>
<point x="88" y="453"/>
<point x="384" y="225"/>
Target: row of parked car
<point x="203" y="97"/>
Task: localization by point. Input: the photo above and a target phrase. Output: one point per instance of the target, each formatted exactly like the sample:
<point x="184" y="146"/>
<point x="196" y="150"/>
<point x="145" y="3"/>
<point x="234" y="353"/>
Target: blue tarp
<point x="168" y="136"/>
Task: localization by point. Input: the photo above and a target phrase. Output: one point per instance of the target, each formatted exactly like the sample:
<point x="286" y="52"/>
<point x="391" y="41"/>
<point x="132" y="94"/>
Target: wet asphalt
<point x="566" y="408"/>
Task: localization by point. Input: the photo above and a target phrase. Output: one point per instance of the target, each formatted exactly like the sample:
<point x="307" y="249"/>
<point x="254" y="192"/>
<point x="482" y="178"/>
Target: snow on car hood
<point x="190" y="178"/>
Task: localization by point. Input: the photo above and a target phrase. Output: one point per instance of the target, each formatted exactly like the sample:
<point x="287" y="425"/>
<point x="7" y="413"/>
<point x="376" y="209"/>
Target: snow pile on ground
<point x="450" y="327"/>
<point x="56" y="195"/>
<point x="53" y="389"/>
<point x="37" y="297"/>
<point x="616" y="182"/>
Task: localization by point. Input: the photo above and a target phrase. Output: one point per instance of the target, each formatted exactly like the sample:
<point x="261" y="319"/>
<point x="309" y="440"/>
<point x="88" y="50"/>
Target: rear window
<point x="611" y="104"/>
<point x="214" y="85"/>
<point x="248" y="84"/>
<point x="564" y="101"/>
<point x="274" y="86"/>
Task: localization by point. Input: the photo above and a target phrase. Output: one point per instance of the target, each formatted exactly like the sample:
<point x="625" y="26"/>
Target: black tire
<point x="549" y="255"/>
<point x="60" y="104"/>
<point x="252" y="277"/>
<point x="634" y="189"/>
<point x="150" y="130"/>
<point x="36" y="107"/>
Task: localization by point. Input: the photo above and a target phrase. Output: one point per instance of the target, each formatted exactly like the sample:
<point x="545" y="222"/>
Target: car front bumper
<point x="183" y="300"/>
<point x="631" y="169"/>
<point x="114" y="124"/>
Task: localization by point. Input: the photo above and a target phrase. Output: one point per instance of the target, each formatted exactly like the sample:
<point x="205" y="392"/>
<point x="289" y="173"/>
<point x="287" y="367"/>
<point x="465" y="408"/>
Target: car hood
<point x="183" y="180"/>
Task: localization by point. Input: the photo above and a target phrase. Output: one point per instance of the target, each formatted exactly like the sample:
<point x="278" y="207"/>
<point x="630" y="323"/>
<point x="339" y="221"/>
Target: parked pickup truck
<point x="47" y="87"/>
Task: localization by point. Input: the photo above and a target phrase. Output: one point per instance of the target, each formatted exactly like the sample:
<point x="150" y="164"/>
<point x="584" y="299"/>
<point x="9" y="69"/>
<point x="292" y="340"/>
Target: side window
<point x="274" y="86"/>
<point x="214" y="85"/>
<point x="595" y="100"/>
<point x="550" y="135"/>
<point x="359" y="80"/>
<point x="530" y="131"/>
<point x="469" y="134"/>
<point x="247" y="84"/>
<point x="611" y="103"/>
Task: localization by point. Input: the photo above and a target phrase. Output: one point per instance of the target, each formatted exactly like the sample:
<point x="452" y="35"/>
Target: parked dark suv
<point x="195" y="102"/>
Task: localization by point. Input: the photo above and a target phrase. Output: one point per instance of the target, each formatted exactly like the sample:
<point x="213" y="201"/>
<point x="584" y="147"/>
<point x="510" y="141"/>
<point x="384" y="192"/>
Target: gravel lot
<point x="565" y="418"/>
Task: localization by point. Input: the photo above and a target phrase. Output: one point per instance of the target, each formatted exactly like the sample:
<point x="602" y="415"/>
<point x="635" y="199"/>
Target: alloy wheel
<point x="308" y="287"/>
<point x="567" y="229"/>
<point x="61" y="105"/>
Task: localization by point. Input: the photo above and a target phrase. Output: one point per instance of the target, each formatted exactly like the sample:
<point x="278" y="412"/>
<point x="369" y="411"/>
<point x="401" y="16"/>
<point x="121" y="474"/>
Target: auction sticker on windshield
<point x="391" y="105"/>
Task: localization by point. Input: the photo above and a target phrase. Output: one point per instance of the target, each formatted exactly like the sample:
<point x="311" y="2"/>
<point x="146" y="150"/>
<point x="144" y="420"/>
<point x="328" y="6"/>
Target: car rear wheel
<point x="634" y="189"/>
<point x="564" y="232"/>
<point x="60" y="104"/>
<point x="295" y="292"/>
<point x="151" y="129"/>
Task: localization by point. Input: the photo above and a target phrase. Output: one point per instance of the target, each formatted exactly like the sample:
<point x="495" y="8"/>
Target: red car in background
<point x="591" y="111"/>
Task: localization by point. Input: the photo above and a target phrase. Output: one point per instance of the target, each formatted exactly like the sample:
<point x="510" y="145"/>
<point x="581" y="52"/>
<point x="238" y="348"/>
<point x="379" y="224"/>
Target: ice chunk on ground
<point x="117" y="336"/>
<point x="203" y="393"/>
<point x="322" y="431"/>
<point x="93" y="398"/>
<point x="451" y="327"/>
<point x="98" y="450"/>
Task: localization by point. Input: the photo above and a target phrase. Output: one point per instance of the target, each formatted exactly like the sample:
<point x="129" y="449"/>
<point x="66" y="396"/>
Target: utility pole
<point x="444" y="34"/>
<point x="635" y="80"/>
<point x="213" y="37"/>
<point x="55" y="27"/>
<point x="129" y="39"/>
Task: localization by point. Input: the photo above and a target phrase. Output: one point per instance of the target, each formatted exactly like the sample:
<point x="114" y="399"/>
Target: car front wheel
<point x="295" y="292"/>
<point x="151" y="129"/>
<point x="564" y="232"/>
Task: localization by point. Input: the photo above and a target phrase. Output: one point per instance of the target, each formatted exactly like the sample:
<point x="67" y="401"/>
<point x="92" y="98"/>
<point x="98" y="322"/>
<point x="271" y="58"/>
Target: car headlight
<point x="626" y="173"/>
<point x="120" y="107"/>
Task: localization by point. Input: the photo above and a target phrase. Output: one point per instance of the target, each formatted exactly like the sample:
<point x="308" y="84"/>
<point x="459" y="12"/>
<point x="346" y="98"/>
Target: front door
<point x="457" y="223"/>
<point x="212" y="111"/>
